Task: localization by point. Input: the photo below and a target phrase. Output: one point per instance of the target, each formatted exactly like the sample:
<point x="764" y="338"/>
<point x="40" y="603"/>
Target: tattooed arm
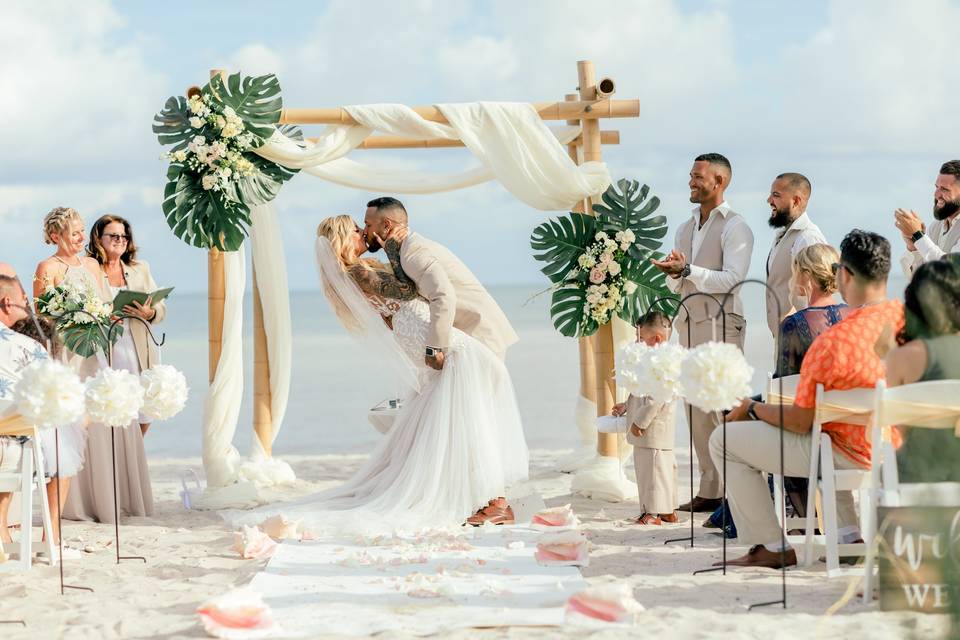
<point x="394" y="286"/>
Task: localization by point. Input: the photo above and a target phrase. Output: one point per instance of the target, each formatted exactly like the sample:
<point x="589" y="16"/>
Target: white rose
<point x="226" y="173"/>
<point x="196" y="123"/>
<point x="613" y="268"/>
<point x="600" y="236"/>
<point x="629" y="236"/>
<point x="229" y="112"/>
<point x="630" y="286"/>
<point x="180" y="155"/>
<point x="209" y="181"/>
<point x="582" y="261"/>
<point x="624" y="246"/>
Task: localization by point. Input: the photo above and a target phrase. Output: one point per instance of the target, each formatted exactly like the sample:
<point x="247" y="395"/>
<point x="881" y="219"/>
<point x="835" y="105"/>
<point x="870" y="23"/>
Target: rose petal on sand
<point x="555" y="517"/>
<point x="605" y="603"/>
<point x="279" y="528"/>
<point x="252" y="543"/>
<point x="237" y="614"/>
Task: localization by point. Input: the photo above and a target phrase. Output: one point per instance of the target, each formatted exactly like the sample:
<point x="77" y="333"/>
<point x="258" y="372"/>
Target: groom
<point x="456" y="298"/>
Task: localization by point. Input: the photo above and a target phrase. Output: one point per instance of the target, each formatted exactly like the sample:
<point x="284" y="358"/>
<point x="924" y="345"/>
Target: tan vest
<point x="779" y="271"/>
<point x="709" y="256"/>
<point x="655" y="419"/>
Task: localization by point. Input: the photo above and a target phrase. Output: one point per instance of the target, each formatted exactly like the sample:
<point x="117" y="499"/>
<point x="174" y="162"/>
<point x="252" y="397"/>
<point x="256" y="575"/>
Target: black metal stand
<point x="63" y="586"/>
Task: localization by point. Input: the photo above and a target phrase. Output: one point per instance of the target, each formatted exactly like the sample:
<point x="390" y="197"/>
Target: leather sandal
<point x="646" y="518"/>
<point x="496" y="512"/>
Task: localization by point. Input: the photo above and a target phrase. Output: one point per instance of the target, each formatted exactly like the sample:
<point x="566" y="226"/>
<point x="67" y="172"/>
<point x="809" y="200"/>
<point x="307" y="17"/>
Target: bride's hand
<point x="398" y="233"/>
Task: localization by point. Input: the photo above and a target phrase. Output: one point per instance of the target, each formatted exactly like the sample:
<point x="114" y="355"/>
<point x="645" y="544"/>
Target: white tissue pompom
<point x="715" y="377"/>
<point x="165" y="392"/>
<point x="659" y="371"/>
<point x="114" y="397"/>
<point x="628" y="357"/>
<point x="49" y="395"/>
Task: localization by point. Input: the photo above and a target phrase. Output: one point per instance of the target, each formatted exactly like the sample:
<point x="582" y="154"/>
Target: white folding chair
<point x="29" y="478"/>
<point x="775" y="396"/>
<point x="933" y="404"/>
<point x="854" y="406"/>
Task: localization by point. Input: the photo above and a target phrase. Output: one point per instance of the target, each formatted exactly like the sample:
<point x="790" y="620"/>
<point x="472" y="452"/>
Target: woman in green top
<point x="932" y="304"/>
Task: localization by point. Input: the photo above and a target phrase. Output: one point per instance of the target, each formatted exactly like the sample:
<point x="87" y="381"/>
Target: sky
<point x="859" y="95"/>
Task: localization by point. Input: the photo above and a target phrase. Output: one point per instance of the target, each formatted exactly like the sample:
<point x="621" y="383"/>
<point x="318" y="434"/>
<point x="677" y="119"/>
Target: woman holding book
<point x="112" y="246"/>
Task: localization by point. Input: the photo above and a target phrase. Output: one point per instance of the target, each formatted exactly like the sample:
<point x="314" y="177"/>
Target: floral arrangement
<point x="82" y="318"/>
<point x="49" y="395"/>
<point x="715" y="376"/>
<point x="599" y="265"/>
<point x="651" y="371"/>
<point x="215" y="176"/>
<point x="114" y="397"/>
<point x="164" y="392"/>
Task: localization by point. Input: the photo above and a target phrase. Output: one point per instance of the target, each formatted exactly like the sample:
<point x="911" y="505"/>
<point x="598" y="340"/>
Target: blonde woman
<point x="457" y="439"/>
<point x="813" y="280"/>
<point x="112" y="248"/>
<point x="63" y="227"/>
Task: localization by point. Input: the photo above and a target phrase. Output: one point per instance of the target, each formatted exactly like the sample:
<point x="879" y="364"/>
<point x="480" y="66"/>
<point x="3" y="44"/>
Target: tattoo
<point x="384" y="284"/>
<point x="392" y="249"/>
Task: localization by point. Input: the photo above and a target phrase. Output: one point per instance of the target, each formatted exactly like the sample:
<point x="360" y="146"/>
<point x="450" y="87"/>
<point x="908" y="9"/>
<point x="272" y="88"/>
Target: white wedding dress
<point x="457" y="440"/>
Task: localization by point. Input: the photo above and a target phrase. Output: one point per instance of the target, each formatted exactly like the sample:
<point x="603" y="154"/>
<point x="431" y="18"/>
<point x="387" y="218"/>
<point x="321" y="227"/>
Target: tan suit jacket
<point x="456" y="297"/>
<point x="139" y="279"/>
<point x="656" y="421"/>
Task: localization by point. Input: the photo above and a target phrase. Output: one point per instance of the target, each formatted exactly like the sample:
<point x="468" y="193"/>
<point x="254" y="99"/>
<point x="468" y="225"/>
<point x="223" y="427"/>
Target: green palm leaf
<point x="625" y="206"/>
<point x="201" y="217"/>
<point x="560" y="242"/>
<point x="264" y="185"/>
<point x="566" y="308"/>
<point x="255" y="99"/>
<point x="651" y="291"/>
<point x="172" y="124"/>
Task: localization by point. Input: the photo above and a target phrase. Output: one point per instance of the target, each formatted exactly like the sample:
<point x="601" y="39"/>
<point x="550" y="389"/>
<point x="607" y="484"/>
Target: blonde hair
<point x="817" y="261"/>
<point x="58" y="221"/>
<point x="337" y="230"/>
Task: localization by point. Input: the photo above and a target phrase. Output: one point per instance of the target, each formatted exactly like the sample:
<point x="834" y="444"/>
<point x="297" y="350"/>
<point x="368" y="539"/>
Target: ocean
<point x="336" y="380"/>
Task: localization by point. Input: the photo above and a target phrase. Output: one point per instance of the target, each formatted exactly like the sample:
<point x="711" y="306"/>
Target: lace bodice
<point x="384" y="306"/>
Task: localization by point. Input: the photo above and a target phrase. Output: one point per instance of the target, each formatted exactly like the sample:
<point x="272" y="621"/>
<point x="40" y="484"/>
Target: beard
<point x="948" y="209"/>
<point x="372" y="245"/>
<point x="780" y="218"/>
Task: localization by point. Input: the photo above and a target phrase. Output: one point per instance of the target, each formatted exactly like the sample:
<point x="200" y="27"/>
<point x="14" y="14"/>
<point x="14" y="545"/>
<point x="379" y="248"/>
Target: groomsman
<point x="789" y="195"/>
<point x="944" y="234"/>
<point x="711" y="254"/>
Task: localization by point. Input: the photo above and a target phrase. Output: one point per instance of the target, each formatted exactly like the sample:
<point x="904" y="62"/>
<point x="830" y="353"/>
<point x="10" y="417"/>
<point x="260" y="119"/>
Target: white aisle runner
<point x="478" y="578"/>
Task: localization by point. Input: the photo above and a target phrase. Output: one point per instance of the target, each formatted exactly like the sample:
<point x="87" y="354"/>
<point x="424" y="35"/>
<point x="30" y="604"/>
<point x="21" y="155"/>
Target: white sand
<point x="189" y="559"/>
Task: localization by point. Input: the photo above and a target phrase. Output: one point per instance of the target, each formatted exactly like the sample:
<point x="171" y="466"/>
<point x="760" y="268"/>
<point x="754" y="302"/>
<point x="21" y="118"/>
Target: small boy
<point x="651" y="432"/>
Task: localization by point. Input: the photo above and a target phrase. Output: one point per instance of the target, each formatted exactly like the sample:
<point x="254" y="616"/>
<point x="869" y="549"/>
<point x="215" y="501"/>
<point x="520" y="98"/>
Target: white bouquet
<point x="628" y="359"/>
<point x="659" y="371"/>
<point x="49" y="395"/>
<point x="715" y="376"/>
<point x="165" y="392"/>
<point x="114" y="397"/>
<point x="82" y="317"/>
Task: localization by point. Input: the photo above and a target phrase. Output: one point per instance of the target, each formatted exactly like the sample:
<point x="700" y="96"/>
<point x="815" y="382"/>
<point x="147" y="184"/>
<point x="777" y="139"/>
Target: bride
<point x="457" y="438"/>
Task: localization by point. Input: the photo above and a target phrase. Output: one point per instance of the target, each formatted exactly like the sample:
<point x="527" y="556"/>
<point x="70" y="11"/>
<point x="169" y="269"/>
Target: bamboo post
<point x="603" y="339"/>
<point x="216" y="295"/>
<point x="262" y="396"/>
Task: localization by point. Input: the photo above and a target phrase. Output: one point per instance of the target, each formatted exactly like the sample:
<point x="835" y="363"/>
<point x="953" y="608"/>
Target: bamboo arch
<point x="586" y="108"/>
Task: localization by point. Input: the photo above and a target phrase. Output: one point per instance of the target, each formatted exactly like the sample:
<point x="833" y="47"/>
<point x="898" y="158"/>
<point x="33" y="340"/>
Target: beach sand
<point x="189" y="559"/>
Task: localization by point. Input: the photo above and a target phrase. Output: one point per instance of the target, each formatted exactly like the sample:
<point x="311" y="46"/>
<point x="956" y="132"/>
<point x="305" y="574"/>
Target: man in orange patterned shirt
<point x="842" y="357"/>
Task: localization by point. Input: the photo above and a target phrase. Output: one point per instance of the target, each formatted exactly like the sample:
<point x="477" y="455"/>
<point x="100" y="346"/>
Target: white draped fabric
<point x="513" y="146"/>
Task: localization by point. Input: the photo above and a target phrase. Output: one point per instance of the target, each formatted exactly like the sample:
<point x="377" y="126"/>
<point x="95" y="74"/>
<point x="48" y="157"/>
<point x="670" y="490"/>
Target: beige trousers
<point x="656" y="471"/>
<point x="703" y="424"/>
<point x="753" y="450"/>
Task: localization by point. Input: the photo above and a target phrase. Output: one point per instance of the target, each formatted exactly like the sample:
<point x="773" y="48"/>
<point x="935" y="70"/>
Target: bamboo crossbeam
<point x="579" y="110"/>
<point x="398" y="142"/>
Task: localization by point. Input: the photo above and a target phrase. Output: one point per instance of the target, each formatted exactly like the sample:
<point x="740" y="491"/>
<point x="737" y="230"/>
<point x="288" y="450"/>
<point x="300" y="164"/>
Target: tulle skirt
<point x="455" y="445"/>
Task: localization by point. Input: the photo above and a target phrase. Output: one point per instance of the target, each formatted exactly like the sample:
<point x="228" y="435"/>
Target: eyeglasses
<point x="115" y="237"/>
<point x="836" y="266"/>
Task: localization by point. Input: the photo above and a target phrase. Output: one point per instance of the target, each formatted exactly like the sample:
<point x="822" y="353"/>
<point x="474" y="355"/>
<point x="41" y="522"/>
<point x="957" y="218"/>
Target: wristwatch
<point x="685" y="272"/>
<point x="433" y="351"/>
<point x="917" y="235"/>
<point x="750" y="412"/>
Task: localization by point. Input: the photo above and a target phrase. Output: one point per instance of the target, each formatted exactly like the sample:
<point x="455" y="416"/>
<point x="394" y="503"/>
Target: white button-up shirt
<point x="17" y="351"/>
<point x="808" y="234"/>
<point x="737" y="243"/>
<point x="935" y="243"/>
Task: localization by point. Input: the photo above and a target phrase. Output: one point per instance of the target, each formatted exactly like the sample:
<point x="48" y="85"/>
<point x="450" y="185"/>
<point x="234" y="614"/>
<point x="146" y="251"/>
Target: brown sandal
<point x="646" y="518"/>
<point x="496" y="512"/>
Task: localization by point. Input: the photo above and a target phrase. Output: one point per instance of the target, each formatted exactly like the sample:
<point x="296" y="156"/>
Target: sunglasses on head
<point x="836" y="266"/>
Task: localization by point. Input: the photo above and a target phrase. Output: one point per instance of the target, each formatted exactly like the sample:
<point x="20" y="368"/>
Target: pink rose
<point x="596" y="276"/>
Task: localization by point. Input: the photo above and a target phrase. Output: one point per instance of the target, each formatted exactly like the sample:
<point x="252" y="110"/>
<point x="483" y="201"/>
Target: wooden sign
<point x="919" y="558"/>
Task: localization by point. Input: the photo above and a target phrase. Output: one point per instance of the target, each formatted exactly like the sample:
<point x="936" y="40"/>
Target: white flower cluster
<point x="216" y="151"/>
<point x="165" y="392"/>
<point x="49" y="395"/>
<point x="605" y="284"/>
<point x="715" y="376"/>
<point x="114" y="397"/>
<point x="712" y="376"/>
<point x="74" y="303"/>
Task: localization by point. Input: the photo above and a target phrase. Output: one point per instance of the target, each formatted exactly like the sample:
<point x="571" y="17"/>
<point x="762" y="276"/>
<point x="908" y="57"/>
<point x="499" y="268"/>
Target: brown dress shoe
<point x="647" y="518"/>
<point x="760" y="556"/>
<point x="497" y="511"/>
<point x="672" y="518"/>
<point x="701" y="505"/>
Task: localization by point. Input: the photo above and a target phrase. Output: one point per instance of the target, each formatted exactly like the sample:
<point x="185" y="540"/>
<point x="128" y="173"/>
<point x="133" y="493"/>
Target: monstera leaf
<point x="560" y="242"/>
<point x="202" y="217"/>
<point x="255" y="99"/>
<point x="88" y="339"/>
<point x="172" y="124"/>
<point x="264" y="185"/>
<point x="566" y="309"/>
<point x="651" y="291"/>
<point x="628" y="208"/>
